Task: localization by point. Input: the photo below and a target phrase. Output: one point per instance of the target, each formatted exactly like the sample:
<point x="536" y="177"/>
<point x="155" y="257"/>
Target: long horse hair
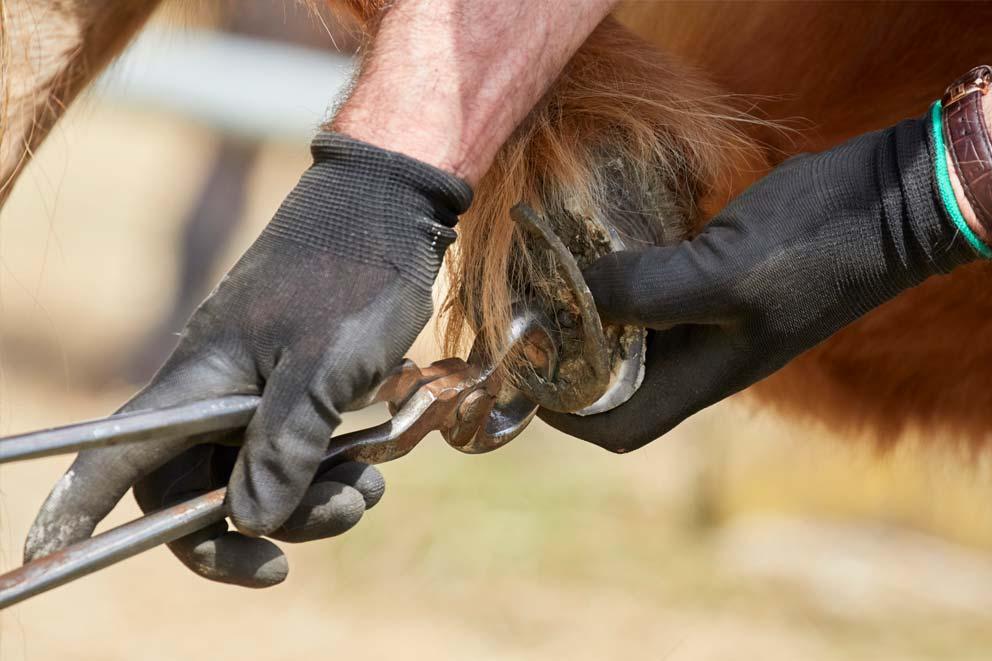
<point x="621" y="110"/>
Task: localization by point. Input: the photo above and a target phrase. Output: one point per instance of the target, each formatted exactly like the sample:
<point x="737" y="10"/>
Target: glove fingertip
<point x="610" y="281"/>
<point x="233" y="559"/>
<point x="59" y="523"/>
<point x="269" y="480"/>
<point x="327" y="510"/>
<point x="252" y="518"/>
<point x="364" y="477"/>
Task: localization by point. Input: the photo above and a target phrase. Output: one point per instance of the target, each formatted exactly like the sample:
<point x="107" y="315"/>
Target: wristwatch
<point x="966" y="135"/>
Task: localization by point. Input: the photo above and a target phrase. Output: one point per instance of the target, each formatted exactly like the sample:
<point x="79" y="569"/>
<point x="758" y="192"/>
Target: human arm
<point x="448" y="82"/>
<point x="817" y="243"/>
<point x="335" y="289"/>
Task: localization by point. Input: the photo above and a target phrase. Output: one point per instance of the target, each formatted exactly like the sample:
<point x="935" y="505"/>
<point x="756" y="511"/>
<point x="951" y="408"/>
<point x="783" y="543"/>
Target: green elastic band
<point x="947" y="192"/>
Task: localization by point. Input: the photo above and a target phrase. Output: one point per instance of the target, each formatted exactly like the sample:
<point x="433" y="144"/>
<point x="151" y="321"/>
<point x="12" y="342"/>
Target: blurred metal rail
<point x="238" y="85"/>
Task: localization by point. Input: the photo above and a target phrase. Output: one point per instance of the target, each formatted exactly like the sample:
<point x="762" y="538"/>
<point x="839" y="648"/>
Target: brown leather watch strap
<point x="967" y="138"/>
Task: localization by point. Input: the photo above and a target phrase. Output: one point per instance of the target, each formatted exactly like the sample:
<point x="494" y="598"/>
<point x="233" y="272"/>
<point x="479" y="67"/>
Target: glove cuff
<point x="448" y="195"/>
<point x="930" y="243"/>
<point x="373" y="206"/>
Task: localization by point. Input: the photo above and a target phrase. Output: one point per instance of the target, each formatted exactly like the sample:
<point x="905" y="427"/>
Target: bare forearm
<point x="448" y="81"/>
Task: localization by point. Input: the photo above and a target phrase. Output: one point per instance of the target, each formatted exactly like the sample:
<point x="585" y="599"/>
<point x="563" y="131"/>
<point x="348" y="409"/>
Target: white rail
<point x="258" y="89"/>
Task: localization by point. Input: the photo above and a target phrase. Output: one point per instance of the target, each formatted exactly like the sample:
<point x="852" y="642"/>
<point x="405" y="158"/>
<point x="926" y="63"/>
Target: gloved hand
<point x="320" y="307"/>
<point x="814" y="245"/>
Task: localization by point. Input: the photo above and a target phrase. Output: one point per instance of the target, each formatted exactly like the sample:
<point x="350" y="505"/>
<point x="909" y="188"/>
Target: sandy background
<point x="736" y="537"/>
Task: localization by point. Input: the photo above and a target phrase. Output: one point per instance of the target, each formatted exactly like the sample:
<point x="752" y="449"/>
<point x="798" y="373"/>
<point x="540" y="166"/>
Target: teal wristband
<point x="944" y="185"/>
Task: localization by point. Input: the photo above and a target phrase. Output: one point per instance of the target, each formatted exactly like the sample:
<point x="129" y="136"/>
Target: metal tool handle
<point x="434" y="403"/>
<point x="105" y="549"/>
<point x="185" y="420"/>
<point x="383" y="442"/>
<point x="161" y="527"/>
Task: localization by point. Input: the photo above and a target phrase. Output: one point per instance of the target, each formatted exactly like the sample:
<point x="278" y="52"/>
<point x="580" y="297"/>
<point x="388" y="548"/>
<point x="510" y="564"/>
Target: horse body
<point x="847" y="68"/>
<point x="662" y="97"/>
<point x="837" y="70"/>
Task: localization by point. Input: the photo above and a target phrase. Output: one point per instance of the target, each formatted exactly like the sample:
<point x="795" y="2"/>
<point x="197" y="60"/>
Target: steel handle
<point x="161" y="527"/>
<point x="107" y="548"/>
<point x="219" y="414"/>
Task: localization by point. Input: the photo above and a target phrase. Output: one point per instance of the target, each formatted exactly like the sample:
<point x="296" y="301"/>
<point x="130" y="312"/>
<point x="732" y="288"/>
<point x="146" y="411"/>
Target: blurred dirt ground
<point x="735" y="537"/>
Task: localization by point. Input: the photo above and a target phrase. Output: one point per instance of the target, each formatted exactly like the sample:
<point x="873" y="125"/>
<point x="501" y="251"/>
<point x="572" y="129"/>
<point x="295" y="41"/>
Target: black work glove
<point x="320" y="307"/>
<point x="814" y="245"/>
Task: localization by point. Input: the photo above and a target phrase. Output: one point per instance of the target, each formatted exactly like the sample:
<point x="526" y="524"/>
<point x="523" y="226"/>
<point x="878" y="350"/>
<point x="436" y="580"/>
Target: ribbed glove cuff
<point x="366" y="204"/>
